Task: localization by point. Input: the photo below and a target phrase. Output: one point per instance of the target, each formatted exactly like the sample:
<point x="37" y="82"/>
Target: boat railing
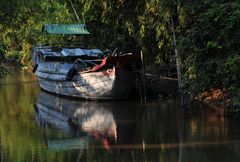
<point x="78" y="61"/>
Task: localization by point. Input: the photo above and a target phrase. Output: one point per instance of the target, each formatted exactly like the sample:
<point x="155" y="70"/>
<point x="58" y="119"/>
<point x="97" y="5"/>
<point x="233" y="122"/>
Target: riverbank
<point x="220" y="101"/>
<point x="214" y="96"/>
<point x="9" y="66"/>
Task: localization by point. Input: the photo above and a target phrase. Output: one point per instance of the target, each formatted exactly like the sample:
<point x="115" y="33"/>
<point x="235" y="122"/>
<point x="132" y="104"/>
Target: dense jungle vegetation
<point x="208" y="34"/>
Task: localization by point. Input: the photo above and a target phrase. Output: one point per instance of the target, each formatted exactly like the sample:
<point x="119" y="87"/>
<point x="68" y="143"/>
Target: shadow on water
<point x="64" y="130"/>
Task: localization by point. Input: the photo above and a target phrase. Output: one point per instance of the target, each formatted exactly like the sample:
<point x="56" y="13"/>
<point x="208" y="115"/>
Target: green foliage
<point x="231" y="73"/>
<point x="2" y="59"/>
<point x="21" y="24"/>
<point x="209" y="46"/>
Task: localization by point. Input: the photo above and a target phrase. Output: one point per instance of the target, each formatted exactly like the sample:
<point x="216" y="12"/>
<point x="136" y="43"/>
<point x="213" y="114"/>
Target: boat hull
<point x="114" y="83"/>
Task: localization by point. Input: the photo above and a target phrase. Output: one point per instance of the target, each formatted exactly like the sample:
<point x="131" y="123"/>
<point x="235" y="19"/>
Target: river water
<point x="36" y="126"/>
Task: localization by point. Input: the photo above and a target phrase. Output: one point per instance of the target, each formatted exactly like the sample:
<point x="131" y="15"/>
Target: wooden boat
<point x="84" y="73"/>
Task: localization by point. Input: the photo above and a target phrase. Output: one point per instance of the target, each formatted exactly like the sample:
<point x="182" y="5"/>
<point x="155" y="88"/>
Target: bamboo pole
<point x="143" y="79"/>
<point x="177" y="62"/>
<point x="75" y="12"/>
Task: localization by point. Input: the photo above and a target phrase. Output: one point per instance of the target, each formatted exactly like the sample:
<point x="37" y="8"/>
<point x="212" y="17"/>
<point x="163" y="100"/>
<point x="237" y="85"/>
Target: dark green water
<point x="35" y="126"/>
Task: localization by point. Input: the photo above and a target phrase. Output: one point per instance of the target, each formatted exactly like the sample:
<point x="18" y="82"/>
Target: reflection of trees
<point x="172" y="136"/>
<point x="205" y="124"/>
<point x="19" y="136"/>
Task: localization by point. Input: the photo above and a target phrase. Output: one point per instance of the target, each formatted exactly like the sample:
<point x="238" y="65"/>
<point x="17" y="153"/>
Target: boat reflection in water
<point x="83" y="122"/>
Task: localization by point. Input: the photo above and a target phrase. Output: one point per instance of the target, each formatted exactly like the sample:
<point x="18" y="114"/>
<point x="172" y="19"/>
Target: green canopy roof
<point x="73" y="29"/>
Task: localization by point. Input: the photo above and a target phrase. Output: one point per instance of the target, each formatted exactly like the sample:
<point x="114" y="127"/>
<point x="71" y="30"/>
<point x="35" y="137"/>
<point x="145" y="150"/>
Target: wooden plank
<point x="79" y="83"/>
<point x="88" y="87"/>
<point x="95" y="85"/>
<point x="55" y="67"/>
<point x="101" y="94"/>
<point x="82" y="91"/>
<point x="62" y="77"/>
<point x="152" y="76"/>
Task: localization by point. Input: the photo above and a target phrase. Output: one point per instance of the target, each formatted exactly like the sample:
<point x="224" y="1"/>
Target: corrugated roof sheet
<point x="74" y="29"/>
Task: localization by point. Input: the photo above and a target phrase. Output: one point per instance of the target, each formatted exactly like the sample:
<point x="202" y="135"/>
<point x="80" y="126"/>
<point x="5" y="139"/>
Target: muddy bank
<point x="220" y="100"/>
